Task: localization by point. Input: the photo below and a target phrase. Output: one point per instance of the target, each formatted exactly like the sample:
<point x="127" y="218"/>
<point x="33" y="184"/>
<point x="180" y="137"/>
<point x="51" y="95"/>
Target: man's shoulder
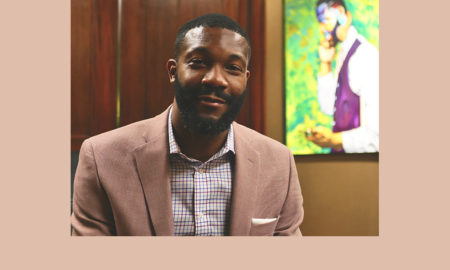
<point x="366" y="55"/>
<point x="366" y="47"/>
<point x="130" y="136"/>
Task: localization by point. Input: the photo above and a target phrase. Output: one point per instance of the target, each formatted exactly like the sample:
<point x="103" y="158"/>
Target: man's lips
<point x="211" y="99"/>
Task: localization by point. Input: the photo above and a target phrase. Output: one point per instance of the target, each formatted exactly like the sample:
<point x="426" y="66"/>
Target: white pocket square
<point x="257" y="221"/>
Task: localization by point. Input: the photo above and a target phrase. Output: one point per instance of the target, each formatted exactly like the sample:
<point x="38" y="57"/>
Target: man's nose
<point x="215" y="77"/>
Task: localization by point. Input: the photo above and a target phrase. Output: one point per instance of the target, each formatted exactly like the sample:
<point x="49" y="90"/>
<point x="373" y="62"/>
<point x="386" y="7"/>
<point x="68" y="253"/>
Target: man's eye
<point x="197" y="61"/>
<point x="235" y="68"/>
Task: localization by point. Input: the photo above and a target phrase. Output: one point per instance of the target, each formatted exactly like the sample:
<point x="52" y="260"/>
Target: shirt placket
<point x="201" y="200"/>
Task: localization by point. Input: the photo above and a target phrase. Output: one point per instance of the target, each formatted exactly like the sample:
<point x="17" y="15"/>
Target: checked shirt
<point x="201" y="192"/>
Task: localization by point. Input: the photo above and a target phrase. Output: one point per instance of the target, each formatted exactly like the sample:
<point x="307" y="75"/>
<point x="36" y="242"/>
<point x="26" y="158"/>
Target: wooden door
<point x="119" y="55"/>
<point x="93" y="68"/>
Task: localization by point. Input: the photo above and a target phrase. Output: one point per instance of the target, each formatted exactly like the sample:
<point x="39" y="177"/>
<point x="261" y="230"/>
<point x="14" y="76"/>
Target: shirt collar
<point x="175" y="149"/>
<point x="352" y="35"/>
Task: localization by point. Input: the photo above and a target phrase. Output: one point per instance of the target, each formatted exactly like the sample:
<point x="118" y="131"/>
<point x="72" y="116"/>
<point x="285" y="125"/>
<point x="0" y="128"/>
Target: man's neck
<point x="196" y="146"/>
<point x="350" y="37"/>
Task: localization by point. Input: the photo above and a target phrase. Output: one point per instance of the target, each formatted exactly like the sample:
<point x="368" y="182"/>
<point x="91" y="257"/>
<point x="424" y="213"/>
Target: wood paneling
<point x="148" y="30"/>
<point x="105" y="63"/>
<point x="146" y="90"/>
<point x="94" y="68"/>
<point x="161" y="31"/>
<point x="81" y="53"/>
<point x="257" y="66"/>
<point x="133" y="62"/>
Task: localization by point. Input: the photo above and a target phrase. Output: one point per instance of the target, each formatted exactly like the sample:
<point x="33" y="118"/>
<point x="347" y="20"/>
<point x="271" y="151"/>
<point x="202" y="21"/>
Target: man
<point x="351" y="94"/>
<point x="191" y="170"/>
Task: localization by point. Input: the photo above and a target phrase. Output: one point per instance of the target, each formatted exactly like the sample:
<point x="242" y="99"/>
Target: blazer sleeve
<point x="92" y="214"/>
<point x="291" y="215"/>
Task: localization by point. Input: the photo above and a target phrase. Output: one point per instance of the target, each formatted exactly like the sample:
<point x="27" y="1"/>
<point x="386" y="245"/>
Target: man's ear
<point x="247" y="74"/>
<point x="172" y="69"/>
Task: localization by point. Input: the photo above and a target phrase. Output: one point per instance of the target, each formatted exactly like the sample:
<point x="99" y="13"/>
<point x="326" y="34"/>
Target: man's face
<point x="329" y="18"/>
<point x="210" y="79"/>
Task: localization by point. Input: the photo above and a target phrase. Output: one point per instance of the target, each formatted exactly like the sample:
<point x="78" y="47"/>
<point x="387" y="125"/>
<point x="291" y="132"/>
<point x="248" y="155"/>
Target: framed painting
<point x="331" y="76"/>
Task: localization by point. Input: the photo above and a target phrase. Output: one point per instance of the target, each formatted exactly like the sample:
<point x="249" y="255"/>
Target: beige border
<point x="35" y="171"/>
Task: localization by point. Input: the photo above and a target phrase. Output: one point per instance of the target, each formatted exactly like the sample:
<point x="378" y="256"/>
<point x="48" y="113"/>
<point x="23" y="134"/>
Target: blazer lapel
<point x="245" y="182"/>
<point x="153" y="167"/>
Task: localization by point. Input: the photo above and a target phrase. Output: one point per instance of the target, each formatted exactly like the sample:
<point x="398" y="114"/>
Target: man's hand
<point x="326" y="56"/>
<point x="326" y="51"/>
<point x="324" y="137"/>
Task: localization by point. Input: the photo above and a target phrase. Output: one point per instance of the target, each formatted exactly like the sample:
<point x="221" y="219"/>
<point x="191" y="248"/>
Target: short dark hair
<point x="331" y="2"/>
<point x="211" y="20"/>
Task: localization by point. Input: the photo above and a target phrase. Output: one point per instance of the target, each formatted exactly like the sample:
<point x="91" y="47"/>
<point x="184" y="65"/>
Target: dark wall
<point x="73" y="167"/>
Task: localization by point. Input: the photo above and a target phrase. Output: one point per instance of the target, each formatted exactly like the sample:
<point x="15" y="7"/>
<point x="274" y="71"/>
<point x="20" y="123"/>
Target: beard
<point x="335" y="39"/>
<point x="186" y="98"/>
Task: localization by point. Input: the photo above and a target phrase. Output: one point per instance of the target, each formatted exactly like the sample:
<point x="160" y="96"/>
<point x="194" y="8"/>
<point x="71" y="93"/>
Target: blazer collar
<point x="246" y="178"/>
<point x="152" y="162"/>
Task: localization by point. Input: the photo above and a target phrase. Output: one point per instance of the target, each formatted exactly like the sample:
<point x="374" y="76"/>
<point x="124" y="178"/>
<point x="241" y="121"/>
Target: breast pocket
<point x="263" y="226"/>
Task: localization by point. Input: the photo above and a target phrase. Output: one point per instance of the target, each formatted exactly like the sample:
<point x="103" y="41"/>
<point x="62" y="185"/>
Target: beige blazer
<point x="122" y="184"/>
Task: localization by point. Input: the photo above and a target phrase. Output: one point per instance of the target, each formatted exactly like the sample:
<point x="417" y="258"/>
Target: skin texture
<point x="212" y="68"/>
<point x="320" y="135"/>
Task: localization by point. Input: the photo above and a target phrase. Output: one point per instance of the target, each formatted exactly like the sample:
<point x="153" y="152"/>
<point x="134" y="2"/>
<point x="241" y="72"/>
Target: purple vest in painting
<point x="346" y="114"/>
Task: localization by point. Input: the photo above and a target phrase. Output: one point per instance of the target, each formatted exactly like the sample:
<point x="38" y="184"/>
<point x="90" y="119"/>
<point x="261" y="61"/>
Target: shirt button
<point x="200" y="216"/>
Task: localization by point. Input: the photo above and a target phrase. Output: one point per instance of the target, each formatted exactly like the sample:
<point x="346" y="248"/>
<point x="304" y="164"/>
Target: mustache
<point x="202" y="90"/>
<point x="216" y="91"/>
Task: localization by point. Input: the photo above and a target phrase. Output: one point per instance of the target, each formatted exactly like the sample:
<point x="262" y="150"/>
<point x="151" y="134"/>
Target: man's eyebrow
<point x="206" y="51"/>
<point x="201" y="50"/>
<point x="237" y="57"/>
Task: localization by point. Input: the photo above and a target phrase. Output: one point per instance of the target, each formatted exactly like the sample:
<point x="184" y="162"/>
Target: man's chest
<point x="201" y="196"/>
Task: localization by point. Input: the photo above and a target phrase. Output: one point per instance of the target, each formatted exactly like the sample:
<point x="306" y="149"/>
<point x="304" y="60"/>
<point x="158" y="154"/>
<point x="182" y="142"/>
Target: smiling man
<point x="191" y="170"/>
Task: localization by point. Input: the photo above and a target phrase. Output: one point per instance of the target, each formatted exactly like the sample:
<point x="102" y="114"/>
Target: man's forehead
<point x="202" y="32"/>
<point x="221" y="36"/>
<point x="325" y="10"/>
<point x="322" y="11"/>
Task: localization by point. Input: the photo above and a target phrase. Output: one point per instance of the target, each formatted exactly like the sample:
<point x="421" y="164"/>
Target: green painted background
<point x="302" y="65"/>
